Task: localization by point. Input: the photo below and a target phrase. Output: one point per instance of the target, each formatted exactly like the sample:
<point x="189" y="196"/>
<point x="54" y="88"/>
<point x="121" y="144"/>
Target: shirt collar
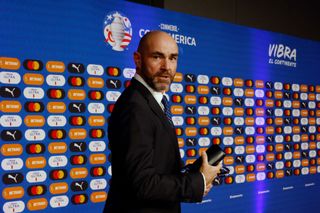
<point x="157" y="95"/>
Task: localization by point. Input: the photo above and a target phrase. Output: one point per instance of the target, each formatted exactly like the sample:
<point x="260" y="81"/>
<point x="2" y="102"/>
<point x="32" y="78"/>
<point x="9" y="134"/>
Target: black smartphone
<point x="215" y="155"/>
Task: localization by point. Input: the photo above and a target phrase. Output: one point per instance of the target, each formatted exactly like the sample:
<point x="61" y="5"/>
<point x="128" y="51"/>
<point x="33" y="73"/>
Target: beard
<point x="160" y="81"/>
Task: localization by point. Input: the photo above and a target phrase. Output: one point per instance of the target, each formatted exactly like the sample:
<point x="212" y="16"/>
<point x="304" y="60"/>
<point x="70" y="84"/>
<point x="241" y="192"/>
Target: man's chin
<point x="160" y="87"/>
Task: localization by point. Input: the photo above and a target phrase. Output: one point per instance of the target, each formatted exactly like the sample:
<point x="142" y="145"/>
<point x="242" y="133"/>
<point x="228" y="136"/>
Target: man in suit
<point x="145" y="156"/>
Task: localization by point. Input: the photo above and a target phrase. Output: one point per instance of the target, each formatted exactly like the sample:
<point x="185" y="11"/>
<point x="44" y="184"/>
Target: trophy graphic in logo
<point x="117" y="30"/>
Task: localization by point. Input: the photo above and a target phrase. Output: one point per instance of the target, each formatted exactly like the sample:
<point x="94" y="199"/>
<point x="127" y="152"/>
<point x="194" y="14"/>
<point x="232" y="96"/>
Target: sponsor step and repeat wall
<point x="63" y="64"/>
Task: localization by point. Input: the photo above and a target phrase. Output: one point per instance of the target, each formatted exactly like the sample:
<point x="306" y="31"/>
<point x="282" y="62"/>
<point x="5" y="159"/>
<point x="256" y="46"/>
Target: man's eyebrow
<point x="157" y="53"/>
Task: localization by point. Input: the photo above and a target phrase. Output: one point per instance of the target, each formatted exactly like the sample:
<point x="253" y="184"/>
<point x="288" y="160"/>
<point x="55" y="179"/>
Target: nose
<point x="165" y="64"/>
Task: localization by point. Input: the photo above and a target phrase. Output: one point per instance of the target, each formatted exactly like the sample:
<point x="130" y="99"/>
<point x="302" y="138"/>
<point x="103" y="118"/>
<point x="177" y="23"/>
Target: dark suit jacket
<point x="145" y="158"/>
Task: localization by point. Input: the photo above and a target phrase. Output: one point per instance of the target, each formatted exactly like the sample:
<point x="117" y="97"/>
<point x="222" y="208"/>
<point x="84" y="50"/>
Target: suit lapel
<point x="151" y="101"/>
<point x="156" y="109"/>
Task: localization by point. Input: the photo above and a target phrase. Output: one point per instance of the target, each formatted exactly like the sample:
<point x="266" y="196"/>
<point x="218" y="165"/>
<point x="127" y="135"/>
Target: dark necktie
<point x="166" y="111"/>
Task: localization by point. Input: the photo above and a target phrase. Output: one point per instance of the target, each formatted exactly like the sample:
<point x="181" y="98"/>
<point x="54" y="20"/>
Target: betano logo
<point x="281" y="54"/>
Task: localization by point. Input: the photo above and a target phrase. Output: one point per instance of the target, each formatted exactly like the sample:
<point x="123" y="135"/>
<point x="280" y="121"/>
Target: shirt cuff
<point x="204" y="183"/>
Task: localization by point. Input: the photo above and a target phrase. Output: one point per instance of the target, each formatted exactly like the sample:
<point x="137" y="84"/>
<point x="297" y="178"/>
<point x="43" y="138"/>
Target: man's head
<point x="156" y="59"/>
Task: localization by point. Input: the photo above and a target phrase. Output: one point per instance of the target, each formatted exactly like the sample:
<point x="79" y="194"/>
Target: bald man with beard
<point x="145" y="156"/>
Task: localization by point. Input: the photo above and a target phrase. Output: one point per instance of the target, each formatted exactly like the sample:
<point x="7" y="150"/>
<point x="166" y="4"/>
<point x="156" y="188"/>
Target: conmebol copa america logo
<point x="117" y="30"/>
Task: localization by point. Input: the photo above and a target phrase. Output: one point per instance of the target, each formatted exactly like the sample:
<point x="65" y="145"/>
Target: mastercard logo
<point x="77" y="120"/>
<point x="35" y="148"/>
<point x="176" y="98"/>
<point x="98" y="171"/>
<point x="33" y="65"/>
<point x="76" y="81"/>
<point x="190" y="88"/>
<point x="227" y="91"/>
<point x="34" y="106"/>
<point x="97" y="133"/>
<point x="203" y="100"/>
<point x="190" y="120"/>
<point x="58" y="174"/>
<point x="37" y="190"/>
<point x="113" y="71"/>
<point x="215" y="80"/>
<point x="311" y="88"/>
<point x="216" y="140"/>
<point x="203" y="131"/>
<point x="78" y="159"/>
<point x="95" y="95"/>
<point x="57" y="134"/>
<point x="79" y="199"/>
<point x="191" y="152"/>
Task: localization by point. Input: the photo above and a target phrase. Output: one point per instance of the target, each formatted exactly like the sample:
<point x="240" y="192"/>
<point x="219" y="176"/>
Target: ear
<point x="137" y="60"/>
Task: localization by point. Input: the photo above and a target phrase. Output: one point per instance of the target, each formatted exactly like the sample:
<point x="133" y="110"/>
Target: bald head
<point x="155" y="36"/>
<point x="156" y="59"/>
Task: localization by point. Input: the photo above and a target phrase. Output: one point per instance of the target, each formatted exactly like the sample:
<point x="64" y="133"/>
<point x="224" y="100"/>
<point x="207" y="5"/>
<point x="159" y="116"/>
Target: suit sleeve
<point x="146" y="183"/>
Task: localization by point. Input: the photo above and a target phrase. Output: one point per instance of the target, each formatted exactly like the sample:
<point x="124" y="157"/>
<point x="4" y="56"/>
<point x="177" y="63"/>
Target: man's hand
<point x="209" y="172"/>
